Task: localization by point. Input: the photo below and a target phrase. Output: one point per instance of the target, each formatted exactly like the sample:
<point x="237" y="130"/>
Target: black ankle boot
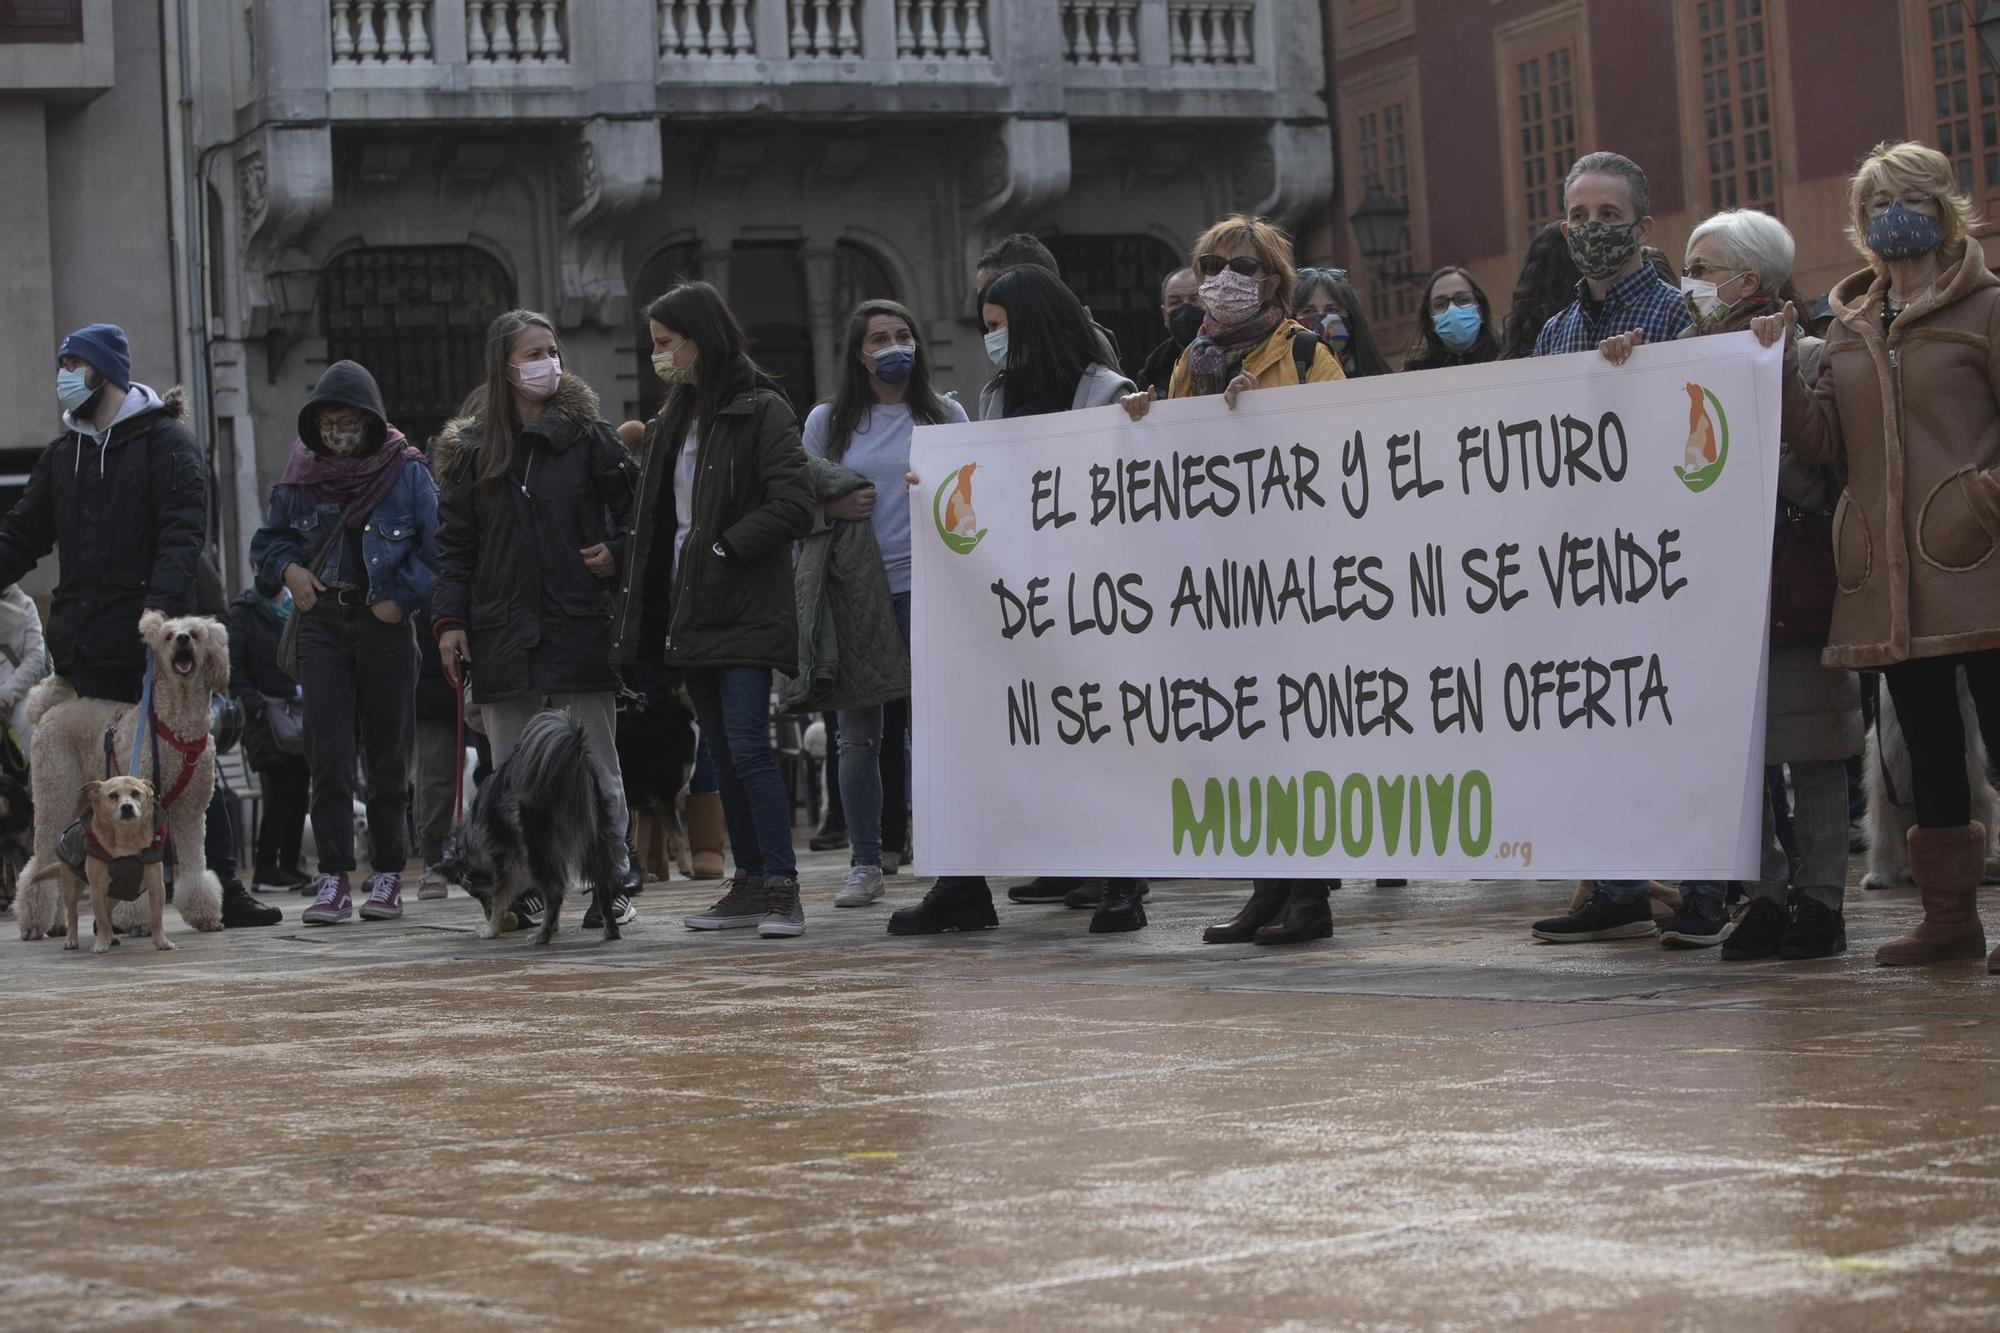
<point x="1305" y="916"/>
<point x="1121" y="908"/>
<point x="239" y="909"/>
<point x="1818" y="931"/>
<point x="1267" y="899"/>
<point x="956" y="902"/>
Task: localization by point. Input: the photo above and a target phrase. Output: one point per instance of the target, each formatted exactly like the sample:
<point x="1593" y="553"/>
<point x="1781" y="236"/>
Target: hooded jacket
<point x="1914" y="415"/>
<point x="398" y="536"/>
<point x="752" y="499"/>
<point x="510" y="566"/>
<point x="127" y="514"/>
<point x="851" y="652"/>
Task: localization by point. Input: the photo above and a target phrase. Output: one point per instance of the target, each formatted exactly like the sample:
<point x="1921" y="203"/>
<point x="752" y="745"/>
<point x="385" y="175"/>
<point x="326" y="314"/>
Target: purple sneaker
<point x="385" y="897"/>
<point x="331" y="905"/>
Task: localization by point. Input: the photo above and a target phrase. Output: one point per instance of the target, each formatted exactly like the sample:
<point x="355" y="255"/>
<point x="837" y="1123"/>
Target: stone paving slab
<point x="1427" y="1122"/>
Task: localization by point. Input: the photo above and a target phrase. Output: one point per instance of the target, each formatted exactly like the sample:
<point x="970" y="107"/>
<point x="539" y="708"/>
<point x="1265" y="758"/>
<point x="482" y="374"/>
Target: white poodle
<point x="190" y="662"/>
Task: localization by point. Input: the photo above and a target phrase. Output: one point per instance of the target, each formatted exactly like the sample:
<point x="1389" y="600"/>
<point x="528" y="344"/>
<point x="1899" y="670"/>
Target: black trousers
<point x="360" y="682"/>
<point x="281" y="831"/>
<point x="1925" y="692"/>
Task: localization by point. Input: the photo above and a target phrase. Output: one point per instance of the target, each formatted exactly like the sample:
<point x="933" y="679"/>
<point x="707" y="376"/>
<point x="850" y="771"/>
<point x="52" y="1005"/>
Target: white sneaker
<point x="864" y="886"/>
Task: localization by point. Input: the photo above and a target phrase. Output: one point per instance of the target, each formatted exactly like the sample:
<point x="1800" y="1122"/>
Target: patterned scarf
<point x="1216" y="354"/>
<point x="342" y="481"/>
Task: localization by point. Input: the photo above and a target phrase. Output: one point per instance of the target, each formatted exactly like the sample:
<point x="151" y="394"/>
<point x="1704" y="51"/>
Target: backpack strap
<point x="1305" y="345"/>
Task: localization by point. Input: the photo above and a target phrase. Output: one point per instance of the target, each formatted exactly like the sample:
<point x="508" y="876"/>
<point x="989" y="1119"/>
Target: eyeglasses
<point x="1210" y="265"/>
<point x="1702" y="271"/>
<point x="1440" y="304"/>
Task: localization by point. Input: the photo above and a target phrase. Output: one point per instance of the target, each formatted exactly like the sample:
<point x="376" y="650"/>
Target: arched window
<point x="416" y="317"/>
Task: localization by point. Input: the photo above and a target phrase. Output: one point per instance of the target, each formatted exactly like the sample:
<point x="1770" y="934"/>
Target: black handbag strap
<point x="352" y="511"/>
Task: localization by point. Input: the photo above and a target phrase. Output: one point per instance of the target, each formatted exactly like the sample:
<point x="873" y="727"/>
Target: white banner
<point x="1502" y="622"/>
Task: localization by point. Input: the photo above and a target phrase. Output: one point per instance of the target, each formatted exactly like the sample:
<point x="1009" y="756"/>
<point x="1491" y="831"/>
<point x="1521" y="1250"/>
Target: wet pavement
<point x="1427" y="1122"/>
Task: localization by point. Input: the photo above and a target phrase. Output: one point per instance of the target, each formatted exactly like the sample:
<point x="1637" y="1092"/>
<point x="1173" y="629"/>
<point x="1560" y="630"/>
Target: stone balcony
<point x="387" y="61"/>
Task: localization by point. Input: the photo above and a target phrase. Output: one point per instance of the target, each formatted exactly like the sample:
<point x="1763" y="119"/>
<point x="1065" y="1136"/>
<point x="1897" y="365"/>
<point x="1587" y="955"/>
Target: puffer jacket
<point x="129" y="512"/>
<point x="850" y="647"/>
<point x="398" y="536"/>
<point x="731" y="601"/>
<point x="1914" y="415"/>
<point x="510" y="562"/>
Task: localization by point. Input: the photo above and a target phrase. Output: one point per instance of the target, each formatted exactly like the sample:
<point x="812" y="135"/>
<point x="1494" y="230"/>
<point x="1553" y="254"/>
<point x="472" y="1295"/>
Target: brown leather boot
<point x="707" y="836"/>
<point x="1267" y="899"/>
<point x="1947" y="864"/>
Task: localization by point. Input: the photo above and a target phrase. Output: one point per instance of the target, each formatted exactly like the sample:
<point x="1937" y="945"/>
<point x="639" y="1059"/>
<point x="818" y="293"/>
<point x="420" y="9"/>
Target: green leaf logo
<point x="951" y="511"/>
<point x="1707" y="450"/>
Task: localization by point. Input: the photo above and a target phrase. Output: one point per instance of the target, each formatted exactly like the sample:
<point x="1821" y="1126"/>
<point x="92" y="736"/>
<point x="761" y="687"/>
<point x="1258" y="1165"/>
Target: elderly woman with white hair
<point x="1738" y="268"/>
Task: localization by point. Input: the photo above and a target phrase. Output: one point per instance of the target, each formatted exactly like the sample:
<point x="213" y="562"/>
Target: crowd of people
<point x="536" y="557"/>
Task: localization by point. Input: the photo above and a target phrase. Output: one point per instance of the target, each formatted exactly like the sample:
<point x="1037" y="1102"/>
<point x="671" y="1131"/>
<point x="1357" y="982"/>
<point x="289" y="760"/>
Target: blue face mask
<point x="1458" y="328"/>
<point x="996" y="348"/>
<point x="71" y="390"/>
<point x="894" y="365"/>
<point x="1899" y="233"/>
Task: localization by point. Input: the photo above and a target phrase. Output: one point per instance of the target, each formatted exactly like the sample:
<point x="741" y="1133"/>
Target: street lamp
<point x="1379" y="225"/>
<point x="293" y="293"/>
<point x="1984" y="16"/>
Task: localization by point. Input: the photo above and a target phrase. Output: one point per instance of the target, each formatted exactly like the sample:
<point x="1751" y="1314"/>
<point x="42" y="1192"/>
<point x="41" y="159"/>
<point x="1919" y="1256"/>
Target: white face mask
<point x="1705" y="299"/>
<point x="1231" y="297"/>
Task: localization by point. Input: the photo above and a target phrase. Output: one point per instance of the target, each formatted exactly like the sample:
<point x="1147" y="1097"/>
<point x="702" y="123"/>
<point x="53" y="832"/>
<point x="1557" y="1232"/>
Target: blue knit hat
<point x="102" y="347"/>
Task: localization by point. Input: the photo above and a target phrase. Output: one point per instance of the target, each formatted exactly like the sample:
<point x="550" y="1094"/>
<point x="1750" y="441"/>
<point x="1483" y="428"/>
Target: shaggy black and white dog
<point x="541" y="821"/>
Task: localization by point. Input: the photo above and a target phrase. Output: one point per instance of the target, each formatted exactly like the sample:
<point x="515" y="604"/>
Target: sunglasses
<point x="1210" y="265"/>
<point x="1323" y="273"/>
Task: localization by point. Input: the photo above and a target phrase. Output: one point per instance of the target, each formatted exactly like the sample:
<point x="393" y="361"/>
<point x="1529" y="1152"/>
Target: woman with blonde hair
<point x="1908" y="400"/>
<point x="1249" y="340"/>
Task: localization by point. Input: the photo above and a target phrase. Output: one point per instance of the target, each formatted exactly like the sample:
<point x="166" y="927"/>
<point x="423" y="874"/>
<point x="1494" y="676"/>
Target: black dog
<point x="656" y="745"/>
<point x="542" y="819"/>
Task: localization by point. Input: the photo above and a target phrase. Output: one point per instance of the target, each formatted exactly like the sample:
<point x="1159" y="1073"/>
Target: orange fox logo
<point x="1701" y="449"/>
<point x="959" y="519"/>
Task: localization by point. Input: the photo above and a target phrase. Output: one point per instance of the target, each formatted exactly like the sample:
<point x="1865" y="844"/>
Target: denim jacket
<point x="398" y="540"/>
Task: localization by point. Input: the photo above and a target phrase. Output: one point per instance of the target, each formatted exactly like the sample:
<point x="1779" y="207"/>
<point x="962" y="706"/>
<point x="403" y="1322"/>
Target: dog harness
<point x="190" y="753"/>
<point x="128" y="873"/>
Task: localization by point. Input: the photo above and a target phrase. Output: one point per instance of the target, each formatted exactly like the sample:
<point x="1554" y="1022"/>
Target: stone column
<point x="27" y="279"/>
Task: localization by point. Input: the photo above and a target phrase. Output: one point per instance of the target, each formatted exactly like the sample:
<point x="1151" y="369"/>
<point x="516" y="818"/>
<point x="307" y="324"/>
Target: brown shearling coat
<point x="1915" y="419"/>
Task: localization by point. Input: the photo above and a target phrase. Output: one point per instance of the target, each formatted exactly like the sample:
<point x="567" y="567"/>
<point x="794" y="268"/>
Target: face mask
<point x="343" y="442"/>
<point x="536" y="379"/>
<point x="1333" y="332"/>
<point x="1899" y="233"/>
<point x="670" y="371"/>
<point x="1231" y="297"/>
<point x="1600" y="249"/>
<point x="72" y="389"/>
<point x="1184" y="324"/>
<point x="1458" y="328"/>
<point x="894" y="365"/>
<point x="996" y="348"/>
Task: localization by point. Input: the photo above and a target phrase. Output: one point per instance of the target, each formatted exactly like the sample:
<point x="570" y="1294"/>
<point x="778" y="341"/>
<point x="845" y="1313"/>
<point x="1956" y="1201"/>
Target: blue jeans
<point x="702" y="780"/>
<point x="1704" y="895"/>
<point x="732" y="705"/>
<point x="861" y="764"/>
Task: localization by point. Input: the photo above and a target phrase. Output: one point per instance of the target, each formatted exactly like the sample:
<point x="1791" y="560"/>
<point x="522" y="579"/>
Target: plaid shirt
<point x="1639" y="301"/>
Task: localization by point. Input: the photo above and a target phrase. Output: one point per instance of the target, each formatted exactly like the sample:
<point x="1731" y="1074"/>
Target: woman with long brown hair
<point x="859" y="442"/>
<point x="535" y="511"/>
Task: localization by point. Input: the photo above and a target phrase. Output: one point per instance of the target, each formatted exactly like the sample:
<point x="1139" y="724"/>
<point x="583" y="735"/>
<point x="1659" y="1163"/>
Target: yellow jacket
<point x="1271" y="361"/>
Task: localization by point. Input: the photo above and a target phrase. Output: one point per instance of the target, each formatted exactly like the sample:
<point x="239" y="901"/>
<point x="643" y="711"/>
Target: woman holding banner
<point x="1247" y="341"/>
<point x="1738" y="267"/>
<point x="1046" y="349"/>
<point x="1909" y="402"/>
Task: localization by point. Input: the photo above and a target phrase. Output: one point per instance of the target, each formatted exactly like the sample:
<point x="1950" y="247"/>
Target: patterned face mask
<point x="1600" y="249"/>
<point x="1900" y="232"/>
<point x="342" y="443"/>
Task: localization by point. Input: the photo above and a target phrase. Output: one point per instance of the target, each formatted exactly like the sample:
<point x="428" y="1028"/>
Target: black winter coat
<point x="254" y="631"/>
<point x="752" y="499"/>
<point x="434" y="693"/>
<point x="510" y="568"/>
<point x="128" y="519"/>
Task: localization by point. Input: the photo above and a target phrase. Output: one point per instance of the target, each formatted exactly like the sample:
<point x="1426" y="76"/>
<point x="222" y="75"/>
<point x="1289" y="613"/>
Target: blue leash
<point x="142" y="730"/>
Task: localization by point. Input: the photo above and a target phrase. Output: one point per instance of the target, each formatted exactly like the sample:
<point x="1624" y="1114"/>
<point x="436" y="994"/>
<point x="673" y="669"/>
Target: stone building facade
<point x="377" y="179"/>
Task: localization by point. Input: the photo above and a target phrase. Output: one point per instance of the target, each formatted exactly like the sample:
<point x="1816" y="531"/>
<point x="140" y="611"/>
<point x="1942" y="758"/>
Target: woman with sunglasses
<point x="1247" y="341"/>
<point x="1325" y="301"/>
<point x="1454" y="324"/>
<point x="1049" y="358"/>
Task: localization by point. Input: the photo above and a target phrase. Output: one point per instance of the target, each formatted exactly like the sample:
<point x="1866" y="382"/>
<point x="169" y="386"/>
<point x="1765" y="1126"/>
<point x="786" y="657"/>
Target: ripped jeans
<point x="861" y="765"/>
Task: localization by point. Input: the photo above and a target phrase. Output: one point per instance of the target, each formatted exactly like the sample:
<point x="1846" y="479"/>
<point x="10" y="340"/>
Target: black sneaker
<point x="526" y="913"/>
<point x="1818" y="931"/>
<point x="240" y="910"/>
<point x="1599" y="919"/>
<point x="1758" y="931"/>
<point x="634" y="882"/>
<point x="622" y="911"/>
<point x="956" y="902"/>
<point x="1693" y="928"/>
<point x="1055" y="889"/>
